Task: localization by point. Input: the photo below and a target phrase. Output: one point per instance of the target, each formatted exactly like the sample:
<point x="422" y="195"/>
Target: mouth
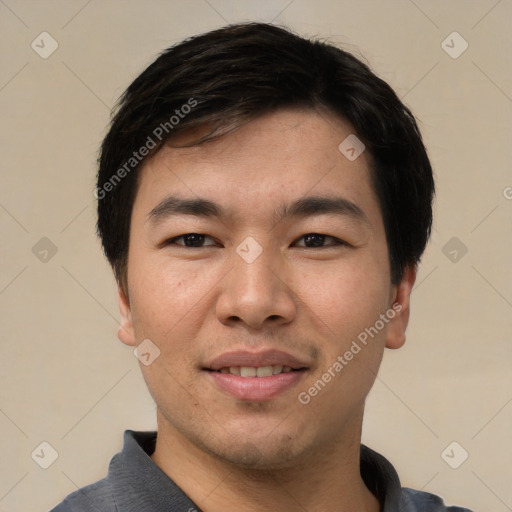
<point x="259" y="372"/>
<point x="255" y="376"/>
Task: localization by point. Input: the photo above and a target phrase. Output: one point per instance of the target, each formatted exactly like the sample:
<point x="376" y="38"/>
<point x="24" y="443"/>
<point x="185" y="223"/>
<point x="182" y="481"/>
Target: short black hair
<point x="227" y="77"/>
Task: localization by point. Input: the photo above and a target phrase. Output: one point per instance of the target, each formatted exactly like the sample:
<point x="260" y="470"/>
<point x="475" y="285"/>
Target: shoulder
<point x="94" y="497"/>
<point x="419" y="501"/>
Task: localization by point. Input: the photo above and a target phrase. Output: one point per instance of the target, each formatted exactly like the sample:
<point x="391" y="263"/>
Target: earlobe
<point x="395" y="336"/>
<point x="125" y="333"/>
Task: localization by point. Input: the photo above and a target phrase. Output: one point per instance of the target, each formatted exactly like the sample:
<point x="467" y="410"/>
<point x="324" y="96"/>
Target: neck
<point x="326" y="480"/>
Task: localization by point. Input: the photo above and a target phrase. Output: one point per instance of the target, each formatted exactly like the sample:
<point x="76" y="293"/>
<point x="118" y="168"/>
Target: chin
<point x="250" y="457"/>
<point x="261" y="454"/>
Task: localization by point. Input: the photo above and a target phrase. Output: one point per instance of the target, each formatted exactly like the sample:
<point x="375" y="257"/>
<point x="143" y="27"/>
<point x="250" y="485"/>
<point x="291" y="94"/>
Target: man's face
<point x="267" y="277"/>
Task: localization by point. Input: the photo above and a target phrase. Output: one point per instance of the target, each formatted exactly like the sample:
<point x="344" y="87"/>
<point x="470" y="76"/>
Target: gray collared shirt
<point x="136" y="484"/>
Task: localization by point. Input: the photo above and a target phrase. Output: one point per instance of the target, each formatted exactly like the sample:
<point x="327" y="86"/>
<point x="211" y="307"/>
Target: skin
<point x="196" y="303"/>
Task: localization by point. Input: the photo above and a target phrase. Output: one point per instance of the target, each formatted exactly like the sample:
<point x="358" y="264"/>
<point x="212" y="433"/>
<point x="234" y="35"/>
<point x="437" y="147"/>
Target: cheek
<point x="347" y="297"/>
<point x="156" y="284"/>
<point x="166" y="304"/>
<point x="348" y="306"/>
<point x="169" y="299"/>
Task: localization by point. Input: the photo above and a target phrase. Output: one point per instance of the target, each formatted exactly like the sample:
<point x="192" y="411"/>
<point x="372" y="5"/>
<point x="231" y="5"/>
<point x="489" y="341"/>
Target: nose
<point x="256" y="294"/>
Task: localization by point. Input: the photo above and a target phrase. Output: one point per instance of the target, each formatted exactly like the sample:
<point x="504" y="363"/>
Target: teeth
<point x="277" y="369"/>
<point x="247" y="371"/>
<point x="261" y="371"/>
<point x="264" y="371"/>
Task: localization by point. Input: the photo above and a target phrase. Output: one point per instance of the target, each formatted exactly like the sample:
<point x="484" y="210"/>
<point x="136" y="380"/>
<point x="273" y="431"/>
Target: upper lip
<point x="255" y="359"/>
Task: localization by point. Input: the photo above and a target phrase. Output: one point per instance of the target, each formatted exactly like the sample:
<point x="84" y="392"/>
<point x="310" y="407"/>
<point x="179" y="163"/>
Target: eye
<point x="190" y="240"/>
<point x="314" y="240"/>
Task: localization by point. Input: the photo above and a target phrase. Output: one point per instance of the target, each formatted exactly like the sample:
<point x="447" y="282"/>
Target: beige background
<point x="67" y="380"/>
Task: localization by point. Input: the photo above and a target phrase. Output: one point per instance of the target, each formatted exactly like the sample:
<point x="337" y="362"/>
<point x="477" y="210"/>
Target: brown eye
<point x="190" y="240"/>
<point x="313" y="240"/>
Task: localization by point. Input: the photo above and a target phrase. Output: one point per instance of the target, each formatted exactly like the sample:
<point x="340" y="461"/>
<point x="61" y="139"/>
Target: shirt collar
<point x="138" y="484"/>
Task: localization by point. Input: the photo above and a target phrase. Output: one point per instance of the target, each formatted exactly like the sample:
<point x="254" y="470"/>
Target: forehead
<point x="277" y="158"/>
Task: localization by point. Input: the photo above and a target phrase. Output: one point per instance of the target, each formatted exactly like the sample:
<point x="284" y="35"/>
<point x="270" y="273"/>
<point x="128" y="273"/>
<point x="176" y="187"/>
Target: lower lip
<point x="256" y="389"/>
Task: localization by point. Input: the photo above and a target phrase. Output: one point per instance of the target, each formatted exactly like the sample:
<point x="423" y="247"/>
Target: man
<point x="264" y="201"/>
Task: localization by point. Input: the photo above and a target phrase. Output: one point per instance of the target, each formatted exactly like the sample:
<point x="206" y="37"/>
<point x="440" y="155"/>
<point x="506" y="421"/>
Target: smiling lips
<point x="261" y="371"/>
<point x="256" y="376"/>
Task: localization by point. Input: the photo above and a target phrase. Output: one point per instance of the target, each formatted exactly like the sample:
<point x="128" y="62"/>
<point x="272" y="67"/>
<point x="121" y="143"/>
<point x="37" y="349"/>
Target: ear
<point x="125" y="333"/>
<point x="395" y="336"/>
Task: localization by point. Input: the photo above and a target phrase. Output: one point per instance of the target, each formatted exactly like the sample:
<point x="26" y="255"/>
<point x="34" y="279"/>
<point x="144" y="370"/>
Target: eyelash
<point x="337" y="241"/>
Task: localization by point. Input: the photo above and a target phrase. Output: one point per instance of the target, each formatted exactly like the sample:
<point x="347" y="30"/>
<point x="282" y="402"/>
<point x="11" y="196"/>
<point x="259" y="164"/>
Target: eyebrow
<point x="304" y="207"/>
